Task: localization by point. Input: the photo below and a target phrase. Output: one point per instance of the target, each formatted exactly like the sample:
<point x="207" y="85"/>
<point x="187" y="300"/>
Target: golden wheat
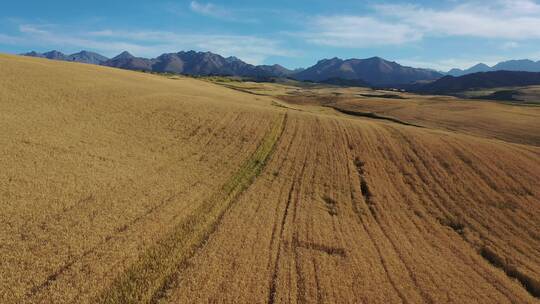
<point x="124" y="187"/>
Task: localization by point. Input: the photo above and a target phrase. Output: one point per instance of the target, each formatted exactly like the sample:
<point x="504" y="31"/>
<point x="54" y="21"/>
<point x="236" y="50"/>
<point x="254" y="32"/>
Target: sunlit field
<point x="128" y="187"/>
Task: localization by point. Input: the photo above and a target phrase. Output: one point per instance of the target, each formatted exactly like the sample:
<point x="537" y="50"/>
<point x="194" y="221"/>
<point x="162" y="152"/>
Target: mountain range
<point x="522" y="65"/>
<point x="82" y="56"/>
<point x="373" y="71"/>
<point x="481" y="80"/>
<point x="188" y="63"/>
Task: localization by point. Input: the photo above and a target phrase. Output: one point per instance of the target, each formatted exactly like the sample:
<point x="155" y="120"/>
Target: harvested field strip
<point x="485" y="119"/>
<point x="373" y="116"/>
<point x="242" y="90"/>
<point x="148" y="277"/>
<point x="391" y="96"/>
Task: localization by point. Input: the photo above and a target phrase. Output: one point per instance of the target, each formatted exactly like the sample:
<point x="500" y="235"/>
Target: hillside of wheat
<point x="126" y="187"/>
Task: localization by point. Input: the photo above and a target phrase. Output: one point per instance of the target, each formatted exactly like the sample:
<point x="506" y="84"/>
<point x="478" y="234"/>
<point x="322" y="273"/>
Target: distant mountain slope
<point x="87" y="57"/>
<point x="54" y="55"/>
<point x="455" y="72"/>
<point x="481" y="67"/>
<point x="450" y="84"/>
<point x="277" y="70"/>
<point x="346" y="82"/>
<point x="523" y="65"/>
<point x="196" y="63"/>
<point x="375" y="70"/>
<point x="207" y="63"/>
<point x="129" y="62"/>
<point x="82" y="56"/>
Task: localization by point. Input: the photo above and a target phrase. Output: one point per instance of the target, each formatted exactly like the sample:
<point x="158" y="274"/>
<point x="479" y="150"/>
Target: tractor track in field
<point x="118" y="231"/>
<point x="57" y="273"/>
<point x="331" y="216"/>
<point x="360" y="219"/>
<point x="150" y="278"/>
<point x="290" y="204"/>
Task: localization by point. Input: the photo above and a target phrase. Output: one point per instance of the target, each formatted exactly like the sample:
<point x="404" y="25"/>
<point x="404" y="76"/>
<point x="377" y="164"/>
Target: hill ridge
<point x="481" y="80"/>
<point x="517" y="65"/>
<point x="369" y="71"/>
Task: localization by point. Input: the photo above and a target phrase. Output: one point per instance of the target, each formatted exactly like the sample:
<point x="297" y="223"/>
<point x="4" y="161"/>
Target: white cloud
<point x="148" y="43"/>
<point x="396" y="24"/>
<point x="54" y="38"/>
<point x="522" y="7"/>
<point x="504" y="19"/>
<point x="249" y="48"/>
<point x="32" y="29"/>
<point x="209" y="9"/>
<point x="510" y="45"/>
<point x="220" y="12"/>
<point x="353" y="31"/>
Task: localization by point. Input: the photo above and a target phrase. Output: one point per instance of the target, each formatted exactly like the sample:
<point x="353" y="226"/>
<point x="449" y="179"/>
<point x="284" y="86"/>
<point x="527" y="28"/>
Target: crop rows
<point x="124" y="187"/>
<point x="351" y="211"/>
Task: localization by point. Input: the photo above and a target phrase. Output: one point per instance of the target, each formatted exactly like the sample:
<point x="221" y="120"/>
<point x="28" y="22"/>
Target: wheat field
<point x="125" y="187"/>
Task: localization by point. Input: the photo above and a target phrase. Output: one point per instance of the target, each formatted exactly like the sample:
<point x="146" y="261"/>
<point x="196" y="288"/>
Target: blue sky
<point x="434" y="34"/>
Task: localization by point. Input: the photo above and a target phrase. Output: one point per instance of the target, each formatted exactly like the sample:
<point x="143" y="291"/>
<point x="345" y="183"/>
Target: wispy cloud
<point x="249" y="48"/>
<point x="499" y="19"/>
<point x="510" y="45"/>
<point x="358" y="32"/>
<point x="219" y="12"/>
<point x="53" y="37"/>
<point x="396" y="24"/>
<point x="148" y="43"/>
<point x="210" y="9"/>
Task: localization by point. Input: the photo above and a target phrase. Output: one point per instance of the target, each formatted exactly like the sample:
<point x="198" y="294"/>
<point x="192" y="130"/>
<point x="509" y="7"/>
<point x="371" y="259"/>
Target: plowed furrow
<point x="154" y="271"/>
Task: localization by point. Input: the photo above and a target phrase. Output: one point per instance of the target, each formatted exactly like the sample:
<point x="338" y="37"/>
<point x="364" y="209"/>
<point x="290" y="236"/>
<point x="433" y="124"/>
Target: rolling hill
<point x="125" y="187"/>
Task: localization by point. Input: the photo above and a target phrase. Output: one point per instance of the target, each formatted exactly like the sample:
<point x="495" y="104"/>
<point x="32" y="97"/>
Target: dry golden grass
<point x="97" y="164"/>
<point x="354" y="211"/>
<point x="490" y="119"/>
<point x="123" y="187"/>
<point x="528" y="95"/>
<point x="512" y="123"/>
